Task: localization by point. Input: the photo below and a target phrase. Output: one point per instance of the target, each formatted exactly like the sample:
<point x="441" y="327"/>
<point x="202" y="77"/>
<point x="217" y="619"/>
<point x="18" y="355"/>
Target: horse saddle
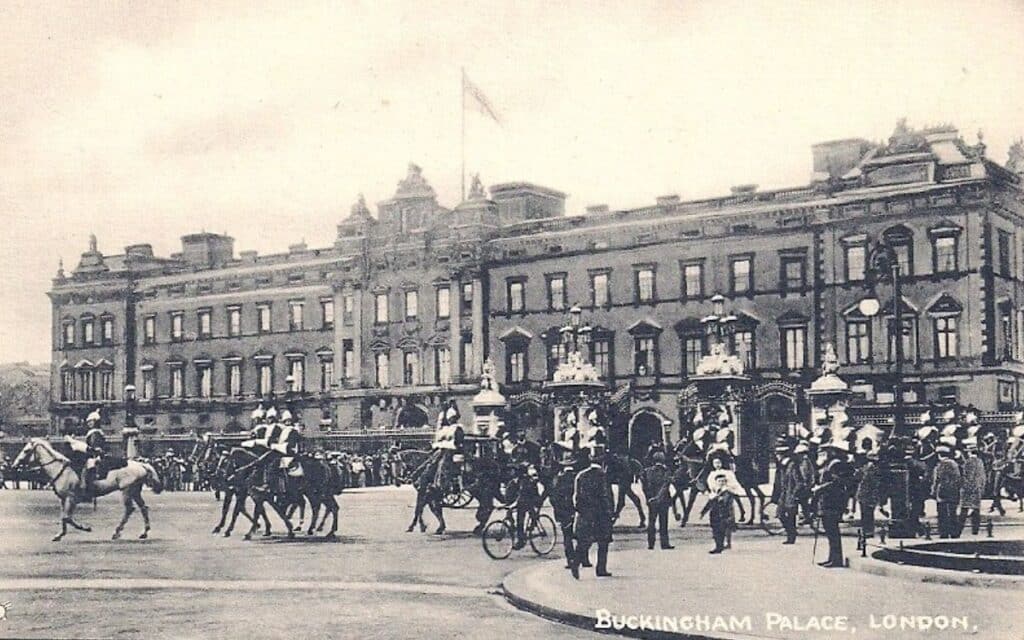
<point x="106" y="464"/>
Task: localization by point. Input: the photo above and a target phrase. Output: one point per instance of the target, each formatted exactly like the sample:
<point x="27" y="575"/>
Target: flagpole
<point x="463" y="135"/>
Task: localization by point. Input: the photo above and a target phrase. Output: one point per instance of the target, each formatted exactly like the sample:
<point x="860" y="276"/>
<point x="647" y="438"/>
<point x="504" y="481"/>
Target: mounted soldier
<point x="86" y="454"/>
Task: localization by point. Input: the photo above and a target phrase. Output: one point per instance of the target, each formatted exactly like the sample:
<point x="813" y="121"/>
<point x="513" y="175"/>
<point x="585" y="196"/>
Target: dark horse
<point x="428" y="492"/>
<point x="622" y="471"/>
<point x="243" y="477"/>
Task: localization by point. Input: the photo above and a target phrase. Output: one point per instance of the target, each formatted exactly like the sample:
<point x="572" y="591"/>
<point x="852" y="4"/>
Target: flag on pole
<point x="477" y="98"/>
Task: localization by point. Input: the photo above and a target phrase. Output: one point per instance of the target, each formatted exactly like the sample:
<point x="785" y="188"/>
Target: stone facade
<point x="420" y="295"/>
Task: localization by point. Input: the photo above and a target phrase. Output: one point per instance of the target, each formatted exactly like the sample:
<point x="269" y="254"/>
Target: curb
<point x="588" y="623"/>
<point x="933" y="576"/>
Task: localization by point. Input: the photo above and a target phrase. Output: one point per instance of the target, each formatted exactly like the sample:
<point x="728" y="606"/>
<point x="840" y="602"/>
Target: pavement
<point x="759" y="589"/>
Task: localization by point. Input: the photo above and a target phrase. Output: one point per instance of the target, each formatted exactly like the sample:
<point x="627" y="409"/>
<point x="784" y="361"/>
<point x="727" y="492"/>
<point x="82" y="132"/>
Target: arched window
<point x="901" y="239"/>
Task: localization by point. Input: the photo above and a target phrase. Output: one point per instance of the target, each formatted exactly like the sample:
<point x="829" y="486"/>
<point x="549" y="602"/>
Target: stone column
<point x="357" y="334"/>
<point x="478" y="326"/>
<point x="455" y="329"/>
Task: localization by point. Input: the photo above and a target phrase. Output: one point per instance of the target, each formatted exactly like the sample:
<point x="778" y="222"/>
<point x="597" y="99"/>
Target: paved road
<point x="376" y="581"/>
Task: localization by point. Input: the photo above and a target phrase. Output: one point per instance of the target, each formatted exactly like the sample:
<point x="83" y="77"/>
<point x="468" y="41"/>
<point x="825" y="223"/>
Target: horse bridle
<point x="43" y="465"/>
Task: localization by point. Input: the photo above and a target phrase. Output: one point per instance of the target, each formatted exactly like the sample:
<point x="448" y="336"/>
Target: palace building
<point x="399" y="311"/>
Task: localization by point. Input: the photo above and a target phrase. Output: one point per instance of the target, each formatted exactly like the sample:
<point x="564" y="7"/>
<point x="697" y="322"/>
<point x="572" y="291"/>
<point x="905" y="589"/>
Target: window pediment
<point x="516" y="334"/>
<point x="945" y="304"/>
<point x="645" y="327"/>
<point x="792" y="318"/>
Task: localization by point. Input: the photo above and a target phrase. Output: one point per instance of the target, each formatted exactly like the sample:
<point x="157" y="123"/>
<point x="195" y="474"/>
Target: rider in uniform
<point x="89" y="452"/>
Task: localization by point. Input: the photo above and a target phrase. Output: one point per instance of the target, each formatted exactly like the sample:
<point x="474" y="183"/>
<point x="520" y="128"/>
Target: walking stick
<point x="814" y="547"/>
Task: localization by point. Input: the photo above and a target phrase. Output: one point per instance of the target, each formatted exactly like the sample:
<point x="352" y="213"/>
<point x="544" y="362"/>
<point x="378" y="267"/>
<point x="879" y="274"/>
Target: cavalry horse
<point x="428" y="492"/>
<point x="66" y="481"/>
<point x="214" y="469"/>
<point x="622" y="471"/>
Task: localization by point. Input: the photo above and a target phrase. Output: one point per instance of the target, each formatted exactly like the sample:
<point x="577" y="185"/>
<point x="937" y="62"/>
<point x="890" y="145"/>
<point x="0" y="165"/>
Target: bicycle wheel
<point x="543" y="535"/>
<point x="497" y="539"/>
<point x="770" y="520"/>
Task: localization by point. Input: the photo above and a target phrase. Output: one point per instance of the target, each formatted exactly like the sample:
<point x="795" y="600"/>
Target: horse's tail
<point x="153" y="478"/>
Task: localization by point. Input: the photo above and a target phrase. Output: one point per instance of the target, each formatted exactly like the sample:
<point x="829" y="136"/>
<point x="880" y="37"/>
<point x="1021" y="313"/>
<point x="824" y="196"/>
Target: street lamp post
<point x="882" y="261"/>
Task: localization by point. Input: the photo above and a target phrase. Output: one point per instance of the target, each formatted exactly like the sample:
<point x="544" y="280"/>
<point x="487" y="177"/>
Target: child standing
<point x="720" y="505"/>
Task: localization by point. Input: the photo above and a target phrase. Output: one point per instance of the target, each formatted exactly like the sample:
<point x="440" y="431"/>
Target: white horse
<point x="65" y="482"/>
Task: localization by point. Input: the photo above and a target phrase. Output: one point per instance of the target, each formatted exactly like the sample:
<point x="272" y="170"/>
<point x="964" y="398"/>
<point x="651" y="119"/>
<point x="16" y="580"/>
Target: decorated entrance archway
<point x="645" y="426"/>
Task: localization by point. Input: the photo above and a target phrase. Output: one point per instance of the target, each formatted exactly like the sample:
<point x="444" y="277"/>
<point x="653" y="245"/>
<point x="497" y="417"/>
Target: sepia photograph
<point x="432" y="319"/>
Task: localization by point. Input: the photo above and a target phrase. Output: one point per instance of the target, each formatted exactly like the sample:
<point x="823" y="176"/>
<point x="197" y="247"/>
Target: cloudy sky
<point x="143" y="121"/>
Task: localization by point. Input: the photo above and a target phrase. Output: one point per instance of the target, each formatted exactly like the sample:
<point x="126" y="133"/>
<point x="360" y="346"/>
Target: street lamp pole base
<point x="908" y="528"/>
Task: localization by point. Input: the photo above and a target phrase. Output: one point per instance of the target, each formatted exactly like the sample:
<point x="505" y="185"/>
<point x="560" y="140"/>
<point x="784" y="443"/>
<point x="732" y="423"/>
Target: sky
<point x="145" y="121"/>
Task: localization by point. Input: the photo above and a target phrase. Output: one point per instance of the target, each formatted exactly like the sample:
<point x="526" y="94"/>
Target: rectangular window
<point x="264" y="379"/>
<point x="855" y="262"/>
<point x="556" y="293"/>
<point x="205" y="375"/>
<point x="297" y="372"/>
<point x="410" y="367"/>
<point x="67" y="385"/>
<point x="148" y="384"/>
<point x="326" y="374"/>
<point x="234" y="321"/>
<point x="327" y="313"/>
<point x="444" y="307"/>
<point x="945" y="254"/>
<point x="381" y="308"/>
<point x="106" y="384"/>
<point x="177" y="381"/>
<point x="601" y="357"/>
<point x="295" y="315"/>
<point x="516" y="369"/>
<point x="412" y="303"/>
<point x="693" y="351"/>
<point x="556" y="355"/>
<point x="946" y="345"/>
<point x="86" y="385"/>
<point x="467" y="297"/>
<point x="794" y="348"/>
<point x="69" y="335"/>
<point x="205" y="323"/>
<point x="348" y="360"/>
<point x="743" y="347"/>
<point x="693" y="280"/>
<point x="442" y="365"/>
<point x="858" y="342"/>
<point x="149" y="330"/>
<point x="108" y="330"/>
<point x="177" y="326"/>
<point x="904" y="256"/>
<point x="468" y="365"/>
<point x="516" y="296"/>
<point x="234" y="379"/>
<point x="645" y="285"/>
<point x="599" y="290"/>
<point x="1006" y="327"/>
<point x="348" y="309"/>
<point x="740" y="275"/>
<point x="87" y="332"/>
<point x="644" y="356"/>
<point x="1004" y="255"/>
<point x="263" y="318"/>
<point x="382" y="370"/>
<point x="909" y="339"/>
<point x="793" y="274"/>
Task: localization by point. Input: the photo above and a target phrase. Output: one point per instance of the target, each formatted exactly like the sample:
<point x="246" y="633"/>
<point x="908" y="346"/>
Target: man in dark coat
<point x="869" y="493"/>
<point x="656" y="480"/>
<point x="595" y="510"/>
<point x="787" y="494"/>
<point x="832" y="495"/>
<point x="561" y="502"/>
<point x="946" y="488"/>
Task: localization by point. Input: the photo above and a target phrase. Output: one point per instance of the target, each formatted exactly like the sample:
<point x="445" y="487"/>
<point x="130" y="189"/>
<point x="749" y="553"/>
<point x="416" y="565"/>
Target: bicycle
<point x="498" y="537"/>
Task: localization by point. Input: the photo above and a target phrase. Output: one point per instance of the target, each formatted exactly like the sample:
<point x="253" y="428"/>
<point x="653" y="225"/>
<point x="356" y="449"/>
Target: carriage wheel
<point x="497" y="539"/>
<point x="770" y="520"/>
<point x="543" y="535"/>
